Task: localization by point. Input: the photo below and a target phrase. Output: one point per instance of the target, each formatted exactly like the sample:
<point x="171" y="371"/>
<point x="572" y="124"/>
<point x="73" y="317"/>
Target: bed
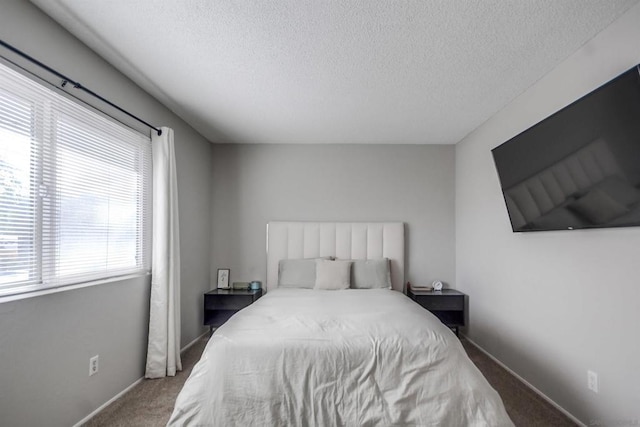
<point x="352" y="357"/>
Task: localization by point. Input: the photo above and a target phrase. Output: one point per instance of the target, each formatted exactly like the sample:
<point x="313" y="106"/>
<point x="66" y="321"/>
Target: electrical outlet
<point x="592" y="381"/>
<point x="93" y="365"/>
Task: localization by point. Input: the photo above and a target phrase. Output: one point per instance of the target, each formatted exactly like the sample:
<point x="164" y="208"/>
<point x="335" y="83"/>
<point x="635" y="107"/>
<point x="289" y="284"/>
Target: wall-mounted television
<point x="580" y="167"/>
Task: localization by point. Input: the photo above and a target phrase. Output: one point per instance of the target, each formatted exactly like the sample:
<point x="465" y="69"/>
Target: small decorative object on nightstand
<point x="446" y="304"/>
<point x="221" y="304"/>
<point x="223" y="278"/>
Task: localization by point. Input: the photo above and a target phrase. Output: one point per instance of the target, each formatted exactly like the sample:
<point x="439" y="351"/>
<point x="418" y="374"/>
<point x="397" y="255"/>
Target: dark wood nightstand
<point x="447" y="305"/>
<point x="221" y="304"/>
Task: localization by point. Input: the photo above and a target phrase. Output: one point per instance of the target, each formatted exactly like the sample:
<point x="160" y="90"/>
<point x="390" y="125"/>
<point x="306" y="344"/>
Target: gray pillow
<point x="297" y="273"/>
<point x="598" y="207"/>
<point x="371" y="274"/>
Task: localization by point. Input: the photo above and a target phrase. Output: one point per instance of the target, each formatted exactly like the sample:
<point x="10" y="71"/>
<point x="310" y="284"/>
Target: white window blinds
<point x="75" y="195"/>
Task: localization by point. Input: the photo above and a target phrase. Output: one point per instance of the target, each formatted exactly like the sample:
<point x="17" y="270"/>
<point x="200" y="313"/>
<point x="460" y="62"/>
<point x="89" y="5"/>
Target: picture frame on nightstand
<point x="223" y="278"/>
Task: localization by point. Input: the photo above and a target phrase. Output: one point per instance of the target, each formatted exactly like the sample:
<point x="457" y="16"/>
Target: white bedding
<point x="336" y="358"/>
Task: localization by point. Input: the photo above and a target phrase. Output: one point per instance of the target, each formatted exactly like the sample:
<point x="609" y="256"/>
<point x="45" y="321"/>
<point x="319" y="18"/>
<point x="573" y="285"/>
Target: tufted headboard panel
<point x="343" y="240"/>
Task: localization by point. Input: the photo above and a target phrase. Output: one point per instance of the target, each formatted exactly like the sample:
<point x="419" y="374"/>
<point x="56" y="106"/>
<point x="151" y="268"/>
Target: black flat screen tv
<point x="580" y="167"/>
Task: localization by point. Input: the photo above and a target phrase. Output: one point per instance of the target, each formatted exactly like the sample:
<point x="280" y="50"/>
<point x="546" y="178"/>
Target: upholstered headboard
<point x="343" y="240"/>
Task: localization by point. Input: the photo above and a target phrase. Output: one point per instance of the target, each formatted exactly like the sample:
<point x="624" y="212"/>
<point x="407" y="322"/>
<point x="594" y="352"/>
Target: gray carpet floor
<point x="525" y="407"/>
<point x="150" y="403"/>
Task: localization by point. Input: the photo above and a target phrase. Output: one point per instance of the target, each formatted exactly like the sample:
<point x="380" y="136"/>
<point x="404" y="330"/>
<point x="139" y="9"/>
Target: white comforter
<point x="336" y="358"/>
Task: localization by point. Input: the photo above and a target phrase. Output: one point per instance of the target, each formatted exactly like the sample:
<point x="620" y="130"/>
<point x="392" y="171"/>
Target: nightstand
<point x="221" y="304"/>
<point x="447" y="305"/>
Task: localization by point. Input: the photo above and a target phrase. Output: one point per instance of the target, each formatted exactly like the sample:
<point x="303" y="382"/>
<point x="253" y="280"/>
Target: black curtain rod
<point x="76" y="85"/>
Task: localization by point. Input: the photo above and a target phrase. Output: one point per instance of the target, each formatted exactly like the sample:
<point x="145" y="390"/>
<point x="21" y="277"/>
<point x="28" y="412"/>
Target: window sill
<point x="53" y="290"/>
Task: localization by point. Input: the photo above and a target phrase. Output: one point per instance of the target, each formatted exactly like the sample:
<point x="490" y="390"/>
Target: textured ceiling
<point x="359" y="71"/>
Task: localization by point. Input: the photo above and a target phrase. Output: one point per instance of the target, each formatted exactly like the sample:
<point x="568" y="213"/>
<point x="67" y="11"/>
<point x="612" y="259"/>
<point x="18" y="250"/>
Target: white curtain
<point x="163" y="351"/>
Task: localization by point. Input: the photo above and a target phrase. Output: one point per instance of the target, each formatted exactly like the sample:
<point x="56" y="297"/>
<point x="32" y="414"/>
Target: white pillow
<point x="371" y="274"/>
<point x="332" y="275"/>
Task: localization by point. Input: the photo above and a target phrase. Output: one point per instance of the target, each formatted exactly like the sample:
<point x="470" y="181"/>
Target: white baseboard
<point x="188" y="346"/>
<point x="123" y="392"/>
<point x="107" y="403"/>
<point x="527" y="383"/>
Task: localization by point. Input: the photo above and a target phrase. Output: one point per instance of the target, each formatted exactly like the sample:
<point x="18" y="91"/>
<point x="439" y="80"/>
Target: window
<point x="75" y="191"/>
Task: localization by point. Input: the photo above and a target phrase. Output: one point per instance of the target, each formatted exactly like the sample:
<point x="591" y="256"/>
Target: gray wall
<point x="253" y="184"/>
<point x="46" y="341"/>
<point x="552" y="305"/>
